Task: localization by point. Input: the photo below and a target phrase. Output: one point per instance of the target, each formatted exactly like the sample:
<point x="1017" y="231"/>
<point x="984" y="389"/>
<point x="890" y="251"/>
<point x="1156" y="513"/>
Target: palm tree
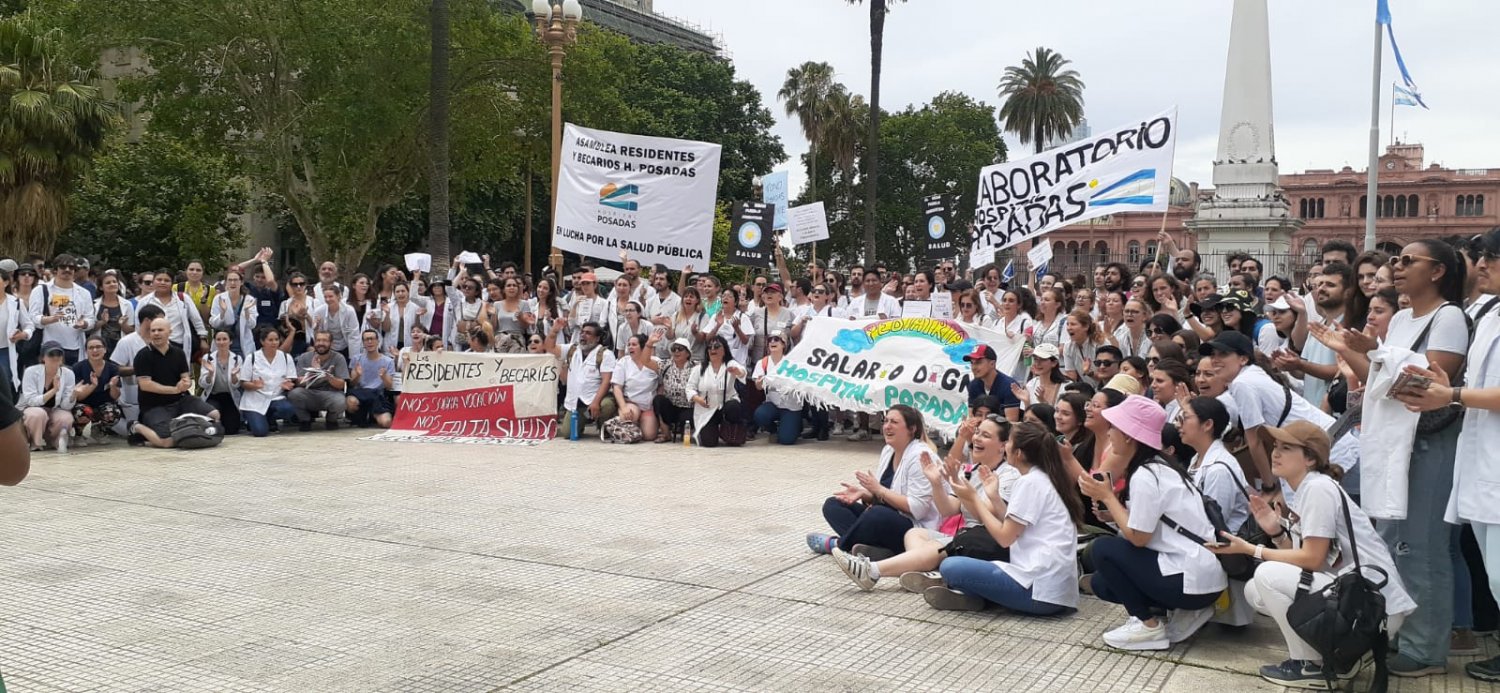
<point x="878" y="10"/>
<point x="843" y="127"/>
<point x="1042" y="99"/>
<point x="53" y="120"/>
<point x="438" y="220"/>
<point x="806" y="93"/>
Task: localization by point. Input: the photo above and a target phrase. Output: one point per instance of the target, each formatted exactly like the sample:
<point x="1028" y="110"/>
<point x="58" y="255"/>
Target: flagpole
<point x="1393" y="113"/>
<point x="1372" y="203"/>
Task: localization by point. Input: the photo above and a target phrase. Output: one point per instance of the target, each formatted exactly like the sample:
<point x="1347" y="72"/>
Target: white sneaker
<point x="1182" y="623"/>
<point x="62" y="443"/>
<point x="856" y="567"/>
<point x="838" y="429"/>
<point x="1136" y="635"/>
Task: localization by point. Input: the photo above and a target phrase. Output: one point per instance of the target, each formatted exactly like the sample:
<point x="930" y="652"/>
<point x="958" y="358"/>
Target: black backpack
<point x="195" y="431"/>
<point x="1236" y="566"/>
<point x="1346" y="618"/>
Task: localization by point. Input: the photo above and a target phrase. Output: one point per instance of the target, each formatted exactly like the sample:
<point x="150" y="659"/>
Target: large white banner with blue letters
<point x="651" y="197"/>
<point x="1125" y="169"/>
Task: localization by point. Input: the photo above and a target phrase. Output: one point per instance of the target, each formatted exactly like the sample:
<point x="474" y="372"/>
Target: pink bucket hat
<point x="1139" y="418"/>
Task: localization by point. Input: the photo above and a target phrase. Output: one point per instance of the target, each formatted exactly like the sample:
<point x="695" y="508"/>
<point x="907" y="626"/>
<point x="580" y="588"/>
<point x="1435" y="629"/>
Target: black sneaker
<point x="304" y="426"/>
<point x="331" y="424"/>
<point x="874" y="553"/>
<point x="1301" y="673"/>
<point x="1484" y="670"/>
<point x="945" y="599"/>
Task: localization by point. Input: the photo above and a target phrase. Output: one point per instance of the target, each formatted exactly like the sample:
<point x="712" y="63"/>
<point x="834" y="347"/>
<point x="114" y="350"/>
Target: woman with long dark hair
<point x="1366" y="275"/>
<point x="1047" y="379"/>
<point x="1431" y="275"/>
<point x="714" y="392"/>
<point x="1038" y="525"/>
<point x="879" y="508"/>
<point x="1151" y="566"/>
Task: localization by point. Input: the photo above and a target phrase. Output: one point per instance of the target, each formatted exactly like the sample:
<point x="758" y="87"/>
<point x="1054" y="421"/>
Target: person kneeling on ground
<point x="1151" y="566"/>
<point x="266" y="377"/>
<point x="321" y="374"/>
<point x="781" y="413"/>
<point x="1039" y="527"/>
<point x="717" y="414"/>
<point x="1317" y="539"/>
<point x="372" y="377"/>
<point x="984" y="436"/>
<point x="96" y="395"/>
<point x="46" y="400"/>
<point x="164" y="379"/>
<point x="884" y="505"/>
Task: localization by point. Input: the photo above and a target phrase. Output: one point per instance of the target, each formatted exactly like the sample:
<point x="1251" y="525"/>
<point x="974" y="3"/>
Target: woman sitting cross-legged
<point x="1039" y="526"/>
<point x="883" y="506"/>
<point x="1152" y="566"/>
<point x="984" y="436"/>
<point x="1316" y="538"/>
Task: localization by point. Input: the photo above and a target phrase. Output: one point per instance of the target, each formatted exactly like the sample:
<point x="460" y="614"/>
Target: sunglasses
<point x="1105" y="363"/>
<point x="967" y="305"/>
<point x="536" y="342"/>
<point x="1152" y="360"/>
<point x="299" y="283"/>
<point x="1408" y="260"/>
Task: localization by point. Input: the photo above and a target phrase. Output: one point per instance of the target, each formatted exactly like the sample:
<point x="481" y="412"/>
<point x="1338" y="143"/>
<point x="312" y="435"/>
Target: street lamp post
<point x="557" y="28"/>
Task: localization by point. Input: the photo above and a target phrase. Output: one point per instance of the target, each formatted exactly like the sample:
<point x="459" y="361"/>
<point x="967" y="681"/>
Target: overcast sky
<point x="1139" y="57"/>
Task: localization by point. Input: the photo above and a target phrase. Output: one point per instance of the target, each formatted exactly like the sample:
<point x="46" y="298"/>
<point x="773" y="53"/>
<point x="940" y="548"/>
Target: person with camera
<point x="1317" y="537"/>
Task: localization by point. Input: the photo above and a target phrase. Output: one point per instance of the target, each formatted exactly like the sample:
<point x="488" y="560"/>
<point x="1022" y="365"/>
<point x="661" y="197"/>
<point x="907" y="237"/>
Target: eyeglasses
<point x="1152" y="360"/>
<point x="1105" y="363"/>
<point x="1408" y="259"/>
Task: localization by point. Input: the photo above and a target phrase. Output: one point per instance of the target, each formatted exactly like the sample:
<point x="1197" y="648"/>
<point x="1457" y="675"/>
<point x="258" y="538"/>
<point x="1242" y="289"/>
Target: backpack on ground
<point x="618" y="430"/>
<point x="1346" y="618"/>
<point x="195" y="431"/>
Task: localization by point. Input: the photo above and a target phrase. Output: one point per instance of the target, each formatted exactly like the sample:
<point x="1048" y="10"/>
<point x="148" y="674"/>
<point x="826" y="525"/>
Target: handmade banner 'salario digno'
<point x="477" y="398"/>
<point x="1126" y="169"/>
<point x="869" y="365"/>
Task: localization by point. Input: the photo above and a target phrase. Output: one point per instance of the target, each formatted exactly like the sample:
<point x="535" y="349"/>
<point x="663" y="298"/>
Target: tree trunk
<point x="872" y="174"/>
<point x="1038" y="138"/>
<point x="437" y="146"/>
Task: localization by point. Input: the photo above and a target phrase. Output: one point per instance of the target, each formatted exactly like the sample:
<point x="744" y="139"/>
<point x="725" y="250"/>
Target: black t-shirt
<point x="9" y="414"/>
<point x="267" y="303"/>
<point x="82" y="371"/>
<point x="162" y="369"/>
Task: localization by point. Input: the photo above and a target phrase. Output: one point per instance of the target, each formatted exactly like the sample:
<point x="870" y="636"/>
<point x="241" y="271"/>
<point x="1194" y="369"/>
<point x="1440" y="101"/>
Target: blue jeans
<point x="1129" y="575"/>
<point x="260" y="424"/>
<point x="1420" y="546"/>
<point x="985" y="579"/>
<point x="788" y="422"/>
<point x="876" y="525"/>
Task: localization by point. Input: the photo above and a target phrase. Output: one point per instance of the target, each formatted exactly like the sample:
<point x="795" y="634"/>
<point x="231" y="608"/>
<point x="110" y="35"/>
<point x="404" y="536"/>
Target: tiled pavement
<point x="320" y="562"/>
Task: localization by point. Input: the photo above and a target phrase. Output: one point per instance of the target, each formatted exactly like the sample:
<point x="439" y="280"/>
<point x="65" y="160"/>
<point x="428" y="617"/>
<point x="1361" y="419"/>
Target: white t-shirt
<point x="862" y="307"/>
<point x="638" y="382"/>
<point x="1267" y="339"/>
<point x="1132" y="347"/>
<point x="585" y="373"/>
<point x="1007" y="475"/>
<point x="1260" y="401"/>
<point x="1158" y="491"/>
<point x="1044" y="557"/>
<point x="1221" y="478"/>
<point x="1449" y="333"/>
<point x="779" y="397"/>
<point x="69" y="305"/>
<point x="1317" y="511"/>
<point x="124" y="355"/>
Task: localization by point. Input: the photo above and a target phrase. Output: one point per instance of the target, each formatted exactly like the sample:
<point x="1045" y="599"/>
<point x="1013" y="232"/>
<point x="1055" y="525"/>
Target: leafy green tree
<point x="1043" y="99"/>
<point x="53" y="120"/>
<point x="807" y="94"/>
<point x="157" y="203"/>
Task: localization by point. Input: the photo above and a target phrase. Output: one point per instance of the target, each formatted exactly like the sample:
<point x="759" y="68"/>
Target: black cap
<point x="1207" y="304"/>
<point x="1228" y="342"/>
<point x="50" y="347"/>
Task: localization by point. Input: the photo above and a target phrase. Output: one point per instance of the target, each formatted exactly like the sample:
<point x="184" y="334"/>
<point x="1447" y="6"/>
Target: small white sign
<point x="807" y="224"/>
<point x="1039" y="255"/>
<point x="942" y="305"/>
<point x="418" y="262"/>
<point x="468" y="257"/>
<point x="916" y="309"/>
<point x="982" y="257"/>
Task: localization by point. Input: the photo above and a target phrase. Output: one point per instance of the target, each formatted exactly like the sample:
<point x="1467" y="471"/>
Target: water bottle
<point x="573" y="425"/>
<point x="687" y="436"/>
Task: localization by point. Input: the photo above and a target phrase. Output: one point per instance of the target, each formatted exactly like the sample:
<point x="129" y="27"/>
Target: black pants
<point x="818" y="416"/>
<point x="877" y="525"/>
<point x="671" y="415"/>
<point x="229" y="414"/>
<point x="731" y="412"/>
<point x="1129" y="575"/>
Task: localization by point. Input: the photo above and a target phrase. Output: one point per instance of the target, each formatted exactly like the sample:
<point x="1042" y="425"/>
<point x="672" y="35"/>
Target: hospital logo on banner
<point x="1128" y="169"/>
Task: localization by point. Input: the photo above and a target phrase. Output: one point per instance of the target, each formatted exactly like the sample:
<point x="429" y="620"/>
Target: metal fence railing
<point x="1292" y="266"/>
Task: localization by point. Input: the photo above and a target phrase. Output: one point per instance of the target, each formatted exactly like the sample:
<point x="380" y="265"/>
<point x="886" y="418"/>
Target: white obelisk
<point x="1247" y="211"/>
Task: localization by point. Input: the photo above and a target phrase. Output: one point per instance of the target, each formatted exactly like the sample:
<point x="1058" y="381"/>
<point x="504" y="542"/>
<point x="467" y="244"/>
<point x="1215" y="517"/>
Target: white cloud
<point x="1140" y="57"/>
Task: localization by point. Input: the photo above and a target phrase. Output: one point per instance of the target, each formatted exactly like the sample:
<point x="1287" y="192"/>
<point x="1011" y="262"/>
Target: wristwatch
<point x="1458" y="398"/>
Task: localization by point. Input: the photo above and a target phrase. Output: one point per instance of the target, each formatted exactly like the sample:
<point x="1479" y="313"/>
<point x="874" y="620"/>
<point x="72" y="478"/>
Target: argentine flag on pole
<point x="1404" y="97"/>
<point x="1009" y="273"/>
<point x="1410" y="90"/>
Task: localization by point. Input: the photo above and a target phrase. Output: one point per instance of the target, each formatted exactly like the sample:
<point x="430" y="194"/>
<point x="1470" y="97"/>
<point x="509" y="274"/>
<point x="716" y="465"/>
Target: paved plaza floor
<point x="321" y="562"/>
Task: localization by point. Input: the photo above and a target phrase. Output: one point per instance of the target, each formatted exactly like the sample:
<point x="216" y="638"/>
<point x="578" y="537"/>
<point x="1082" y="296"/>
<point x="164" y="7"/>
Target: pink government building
<point x="1416" y="201"/>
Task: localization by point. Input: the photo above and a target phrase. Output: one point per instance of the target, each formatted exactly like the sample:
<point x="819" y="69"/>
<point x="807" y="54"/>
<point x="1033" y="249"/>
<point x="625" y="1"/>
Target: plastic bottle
<point x="687" y="437"/>
<point x="573" y="425"/>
